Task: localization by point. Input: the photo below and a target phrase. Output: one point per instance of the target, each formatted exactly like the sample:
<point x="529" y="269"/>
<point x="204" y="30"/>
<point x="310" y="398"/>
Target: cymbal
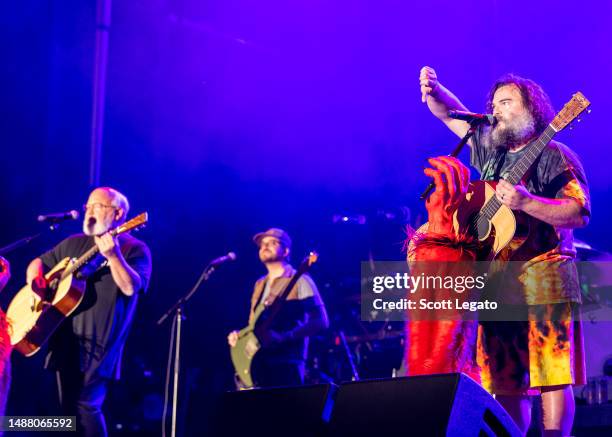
<point x="586" y="252"/>
<point x="581" y="244"/>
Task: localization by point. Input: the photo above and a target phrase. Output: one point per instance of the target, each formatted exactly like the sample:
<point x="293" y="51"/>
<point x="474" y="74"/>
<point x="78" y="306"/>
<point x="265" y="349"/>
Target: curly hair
<point x="535" y="99"/>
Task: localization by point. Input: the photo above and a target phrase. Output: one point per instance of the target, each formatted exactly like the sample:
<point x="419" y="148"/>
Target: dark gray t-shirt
<point x="94" y="335"/>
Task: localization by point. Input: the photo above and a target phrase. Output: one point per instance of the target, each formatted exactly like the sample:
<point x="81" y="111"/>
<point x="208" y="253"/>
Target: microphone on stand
<point x="58" y="217"/>
<point x="472" y="117"/>
<point x="231" y="256"/>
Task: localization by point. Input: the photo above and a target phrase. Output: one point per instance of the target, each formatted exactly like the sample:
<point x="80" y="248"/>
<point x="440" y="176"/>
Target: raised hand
<point x="428" y="81"/>
<point x="451" y="179"/>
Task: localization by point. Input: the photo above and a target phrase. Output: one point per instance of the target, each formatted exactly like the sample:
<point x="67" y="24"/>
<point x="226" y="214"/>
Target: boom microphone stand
<point x="26" y="240"/>
<point x="175" y="339"/>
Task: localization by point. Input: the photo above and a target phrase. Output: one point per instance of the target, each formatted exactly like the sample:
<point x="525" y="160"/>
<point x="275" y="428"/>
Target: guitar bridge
<point x="41" y="305"/>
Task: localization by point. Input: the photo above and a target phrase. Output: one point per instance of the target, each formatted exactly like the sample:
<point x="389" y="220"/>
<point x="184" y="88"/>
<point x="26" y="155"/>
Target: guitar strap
<point x="261" y="295"/>
<point x="97" y="263"/>
<point x="500" y="158"/>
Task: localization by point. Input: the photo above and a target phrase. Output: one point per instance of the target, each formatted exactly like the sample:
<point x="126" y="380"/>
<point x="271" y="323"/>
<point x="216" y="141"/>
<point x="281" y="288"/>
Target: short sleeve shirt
<point x="94" y="335"/>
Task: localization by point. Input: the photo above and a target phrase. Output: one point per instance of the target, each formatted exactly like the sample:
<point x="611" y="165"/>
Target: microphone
<point x="58" y="216"/>
<point x="472" y="117"/>
<point x="231" y="256"/>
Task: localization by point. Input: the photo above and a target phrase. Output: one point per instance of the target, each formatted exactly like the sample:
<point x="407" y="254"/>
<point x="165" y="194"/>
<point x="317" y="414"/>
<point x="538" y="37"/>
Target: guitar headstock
<point x="308" y="261"/>
<point x="572" y="109"/>
<point x="135" y="223"/>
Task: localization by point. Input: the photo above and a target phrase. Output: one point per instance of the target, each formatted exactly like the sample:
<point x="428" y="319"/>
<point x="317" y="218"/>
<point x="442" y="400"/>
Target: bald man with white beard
<point x="85" y="352"/>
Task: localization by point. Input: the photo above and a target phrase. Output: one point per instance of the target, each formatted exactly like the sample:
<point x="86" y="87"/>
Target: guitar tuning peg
<point x="588" y="111"/>
<point x="571" y="126"/>
<point x="579" y="120"/>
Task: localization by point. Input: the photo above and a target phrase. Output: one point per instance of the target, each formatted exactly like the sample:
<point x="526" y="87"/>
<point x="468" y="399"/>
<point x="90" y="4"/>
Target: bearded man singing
<point x="542" y="354"/>
<point x="85" y="352"/>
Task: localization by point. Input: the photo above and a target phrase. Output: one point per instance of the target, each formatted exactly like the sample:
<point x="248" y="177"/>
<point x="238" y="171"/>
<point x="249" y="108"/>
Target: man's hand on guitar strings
<point x="515" y="197"/>
<point x="451" y="179"/>
<point x="107" y="245"/>
<point x="428" y="82"/>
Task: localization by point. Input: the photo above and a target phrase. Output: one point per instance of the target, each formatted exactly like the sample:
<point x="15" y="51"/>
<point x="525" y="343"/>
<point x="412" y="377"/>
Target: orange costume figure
<point x="446" y="344"/>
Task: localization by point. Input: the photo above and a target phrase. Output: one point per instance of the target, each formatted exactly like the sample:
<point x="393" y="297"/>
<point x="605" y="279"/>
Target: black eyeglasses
<point x="97" y="207"/>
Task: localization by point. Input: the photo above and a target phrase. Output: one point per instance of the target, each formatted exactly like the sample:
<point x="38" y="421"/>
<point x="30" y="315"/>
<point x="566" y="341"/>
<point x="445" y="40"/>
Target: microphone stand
<point x="19" y="243"/>
<point x="24" y="241"/>
<point x="349" y="356"/>
<point x="175" y="334"/>
<point x="473" y="125"/>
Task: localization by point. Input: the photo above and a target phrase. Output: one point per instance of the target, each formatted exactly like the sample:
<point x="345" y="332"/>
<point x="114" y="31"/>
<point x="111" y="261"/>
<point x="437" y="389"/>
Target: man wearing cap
<point x="284" y="346"/>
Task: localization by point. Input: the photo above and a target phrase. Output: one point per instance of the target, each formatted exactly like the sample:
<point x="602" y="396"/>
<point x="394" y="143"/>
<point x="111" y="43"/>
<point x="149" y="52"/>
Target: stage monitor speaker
<point x="436" y="405"/>
<point x="281" y="411"/>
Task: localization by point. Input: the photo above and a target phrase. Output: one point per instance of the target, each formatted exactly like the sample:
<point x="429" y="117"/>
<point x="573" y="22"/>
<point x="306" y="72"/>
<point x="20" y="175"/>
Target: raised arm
<point x="440" y="100"/>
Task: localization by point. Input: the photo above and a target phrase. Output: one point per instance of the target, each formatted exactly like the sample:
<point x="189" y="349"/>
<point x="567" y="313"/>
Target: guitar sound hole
<point x="483" y="227"/>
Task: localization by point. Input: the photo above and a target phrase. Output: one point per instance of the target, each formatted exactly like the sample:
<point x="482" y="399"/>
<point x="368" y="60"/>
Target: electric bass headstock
<point x="308" y="261"/>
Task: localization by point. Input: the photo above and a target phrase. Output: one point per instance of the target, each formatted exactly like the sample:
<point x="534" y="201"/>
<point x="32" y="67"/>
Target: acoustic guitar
<point x="34" y="316"/>
<point x="495" y="225"/>
<point x="248" y="345"/>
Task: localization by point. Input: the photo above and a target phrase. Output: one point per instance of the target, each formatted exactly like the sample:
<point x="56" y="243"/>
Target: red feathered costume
<point x="443" y="345"/>
<point x="5" y="342"/>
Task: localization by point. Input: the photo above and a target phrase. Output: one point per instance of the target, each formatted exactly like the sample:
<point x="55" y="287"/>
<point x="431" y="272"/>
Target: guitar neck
<point x="282" y="297"/>
<point x="84" y="259"/>
<point x="522" y="166"/>
<point x="80" y="262"/>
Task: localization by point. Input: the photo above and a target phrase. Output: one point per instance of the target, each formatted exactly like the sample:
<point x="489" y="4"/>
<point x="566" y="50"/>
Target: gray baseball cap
<point x="277" y="233"/>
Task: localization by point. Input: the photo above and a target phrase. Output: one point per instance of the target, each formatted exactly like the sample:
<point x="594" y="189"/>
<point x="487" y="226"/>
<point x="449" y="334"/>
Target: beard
<point x="513" y="133"/>
<point x="93" y="227"/>
<point x="268" y="256"/>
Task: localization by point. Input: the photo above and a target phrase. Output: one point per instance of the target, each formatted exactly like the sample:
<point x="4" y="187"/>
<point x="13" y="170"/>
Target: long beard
<point x="93" y="227"/>
<point x="514" y="133"/>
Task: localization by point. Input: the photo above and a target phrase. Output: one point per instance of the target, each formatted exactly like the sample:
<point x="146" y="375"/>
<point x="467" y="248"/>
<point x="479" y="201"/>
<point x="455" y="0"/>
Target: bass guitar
<point x="248" y="345"/>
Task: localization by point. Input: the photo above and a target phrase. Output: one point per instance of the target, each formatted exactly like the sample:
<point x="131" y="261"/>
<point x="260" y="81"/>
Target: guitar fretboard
<point x="83" y="259"/>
